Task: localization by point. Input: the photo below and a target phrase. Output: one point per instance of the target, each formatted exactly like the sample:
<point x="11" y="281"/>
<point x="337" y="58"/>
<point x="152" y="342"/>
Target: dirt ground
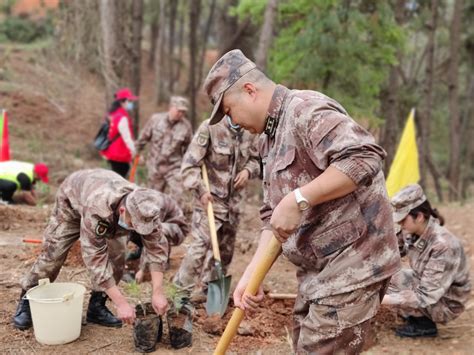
<point x="54" y="112"/>
<point x="269" y="329"/>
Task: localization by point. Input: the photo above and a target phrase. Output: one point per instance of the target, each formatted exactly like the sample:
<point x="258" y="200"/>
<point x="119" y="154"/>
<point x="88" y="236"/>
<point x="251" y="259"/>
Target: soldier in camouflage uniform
<point x="231" y="158"/>
<point x="324" y="199"/>
<point x="99" y="207"/>
<point x="436" y="286"/>
<point x="169" y="134"/>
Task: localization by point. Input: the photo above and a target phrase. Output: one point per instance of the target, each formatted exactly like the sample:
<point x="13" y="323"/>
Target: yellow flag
<point x="405" y="170"/>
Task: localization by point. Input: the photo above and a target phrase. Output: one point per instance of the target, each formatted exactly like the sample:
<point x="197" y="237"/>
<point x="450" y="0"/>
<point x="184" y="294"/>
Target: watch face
<point x="303" y="205"/>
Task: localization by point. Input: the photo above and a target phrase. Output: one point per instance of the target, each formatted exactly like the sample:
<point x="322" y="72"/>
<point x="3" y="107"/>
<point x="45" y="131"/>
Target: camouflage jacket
<point x="168" y="143"/>
<point x="343" y="244"/>
<point x="440" y="269"/>
<point x="91" y="198"/>
<point x="225" y="153"/>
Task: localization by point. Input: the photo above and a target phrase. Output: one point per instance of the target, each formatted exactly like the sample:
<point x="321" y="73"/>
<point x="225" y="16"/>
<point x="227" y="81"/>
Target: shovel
<point x="272" y="251"/>
<point x="218" y="290"/>
<point x="134" y="168"/>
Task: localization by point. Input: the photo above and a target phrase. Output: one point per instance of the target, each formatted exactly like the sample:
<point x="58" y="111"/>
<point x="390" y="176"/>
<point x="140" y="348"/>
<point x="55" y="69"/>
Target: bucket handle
<point x="67" y="297"/>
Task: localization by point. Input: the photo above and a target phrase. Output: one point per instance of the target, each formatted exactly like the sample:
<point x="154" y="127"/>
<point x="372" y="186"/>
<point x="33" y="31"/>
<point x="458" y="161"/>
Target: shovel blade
<point x="218" y="292"/>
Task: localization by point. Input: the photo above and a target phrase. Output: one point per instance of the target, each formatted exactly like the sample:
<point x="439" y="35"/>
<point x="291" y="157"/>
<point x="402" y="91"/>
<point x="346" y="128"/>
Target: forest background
<point x="379" y="59"/>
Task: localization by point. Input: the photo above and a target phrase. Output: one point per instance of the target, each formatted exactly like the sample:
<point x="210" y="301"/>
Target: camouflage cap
<point x="181" y="103"/>
<point x="142" y="205"/>
<point x="405" y="200"/>
<point x="226" y="71"/>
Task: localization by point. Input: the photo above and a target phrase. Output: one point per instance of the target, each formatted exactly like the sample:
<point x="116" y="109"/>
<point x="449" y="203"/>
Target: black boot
<point x="418" y="327"/>
<point x="22" y="318"/>
<point x="98" y="313"/>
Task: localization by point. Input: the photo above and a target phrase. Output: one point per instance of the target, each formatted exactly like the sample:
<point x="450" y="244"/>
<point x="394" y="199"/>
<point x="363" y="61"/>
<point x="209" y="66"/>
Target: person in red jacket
<point x="122" y="149"/>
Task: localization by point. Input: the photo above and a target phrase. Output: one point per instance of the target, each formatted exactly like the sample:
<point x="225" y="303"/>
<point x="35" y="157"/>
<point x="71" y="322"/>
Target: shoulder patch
<point x="203" y="138"/>
<point x="102" y="228"/>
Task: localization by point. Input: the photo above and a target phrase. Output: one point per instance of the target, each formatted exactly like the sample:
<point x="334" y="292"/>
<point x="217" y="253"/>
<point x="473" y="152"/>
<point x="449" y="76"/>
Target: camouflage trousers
<point x="58" y="239"/>
<point x="338" y="324"/>
<point x="440" y="312"/>
<point x="170" y="183"/>
<point x="198" y="263"/>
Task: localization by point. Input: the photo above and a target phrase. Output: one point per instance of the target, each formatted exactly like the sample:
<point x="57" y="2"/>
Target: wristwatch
<point x="303" y="204"/>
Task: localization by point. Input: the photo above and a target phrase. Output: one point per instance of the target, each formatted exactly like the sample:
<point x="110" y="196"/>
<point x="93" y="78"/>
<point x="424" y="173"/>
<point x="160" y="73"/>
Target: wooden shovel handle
<point x="134" y="168"/>
<point x="262" y="268"/>
<point x="210" y="215"/>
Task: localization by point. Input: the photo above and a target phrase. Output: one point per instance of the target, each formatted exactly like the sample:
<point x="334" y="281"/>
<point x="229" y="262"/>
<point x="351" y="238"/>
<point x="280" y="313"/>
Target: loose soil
<point x="268" y="330"/>
<point x="52" y="118"/>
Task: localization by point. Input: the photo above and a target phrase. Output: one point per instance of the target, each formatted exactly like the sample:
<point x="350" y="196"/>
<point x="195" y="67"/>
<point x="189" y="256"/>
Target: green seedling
<point x="134" y="290"/>
<point x="177" y="296"/>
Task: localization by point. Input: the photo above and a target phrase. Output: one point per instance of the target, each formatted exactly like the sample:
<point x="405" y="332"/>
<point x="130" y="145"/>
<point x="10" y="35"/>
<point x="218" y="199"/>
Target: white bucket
<point x="56" y="310"/>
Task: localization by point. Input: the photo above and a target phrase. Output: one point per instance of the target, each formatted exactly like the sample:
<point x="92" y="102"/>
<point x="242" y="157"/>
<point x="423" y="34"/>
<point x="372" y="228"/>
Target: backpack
<point x="101" y="141"/>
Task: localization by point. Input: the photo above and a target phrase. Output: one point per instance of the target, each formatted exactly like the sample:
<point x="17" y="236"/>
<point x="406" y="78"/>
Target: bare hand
<point x="160" y="303"/>
<point x="241" y="179"/>
<point x="244" y="300"/>
<point x="286" y="218"/>
<point x="139" y="276"/>
<point x="29" y="197"/>
<point x="126" y="313"/>
<point x="388" y="300"/>
<point x="205" y="199"/>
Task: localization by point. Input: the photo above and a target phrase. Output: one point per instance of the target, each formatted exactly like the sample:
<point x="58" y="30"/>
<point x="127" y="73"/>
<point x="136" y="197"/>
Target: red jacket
<point x="118" y="150"/>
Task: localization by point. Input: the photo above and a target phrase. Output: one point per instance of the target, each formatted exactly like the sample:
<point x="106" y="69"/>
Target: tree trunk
<point x="266" y="35"/>
<point x="160" y="56"/>
<point x="77" y="35"/>
<point x="154" y="29"/>
<point x="468" y="175"/>
<point x="137" y="24"/>
<point x="389" y="100"/>
<point x="453" y="87"/>
<point x="232" y="33"/>
<point x="182" y="25"/>
<point x="194" y="14"/>
<point x="237" y="39"/>
<point x="205" y="38"/>
<point x="173" y="6"/>
<point x="390" y="111"/>
<point x="107" y="18"/>
<point x="468" y="169"/>
<point x="436" y="177"/>
<point x="111" y="48"/>
<point x="425" y="117"/>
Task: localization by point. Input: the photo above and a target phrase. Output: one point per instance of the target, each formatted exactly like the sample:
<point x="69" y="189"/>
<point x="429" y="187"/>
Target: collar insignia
<point x="271" y="126"/>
